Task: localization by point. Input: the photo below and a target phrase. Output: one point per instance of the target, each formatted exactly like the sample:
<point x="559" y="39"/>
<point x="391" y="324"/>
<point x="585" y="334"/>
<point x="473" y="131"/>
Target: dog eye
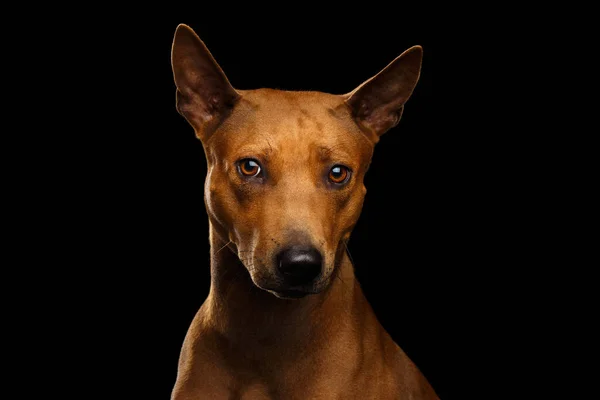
<point x="339" y="174"/>
<point x="249" y="167"/>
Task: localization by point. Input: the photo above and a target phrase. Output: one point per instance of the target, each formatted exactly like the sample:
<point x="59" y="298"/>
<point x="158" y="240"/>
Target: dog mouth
<point x="289" y="290"/>
<point x="291" y="293"/>
<point x="286" y="285"/>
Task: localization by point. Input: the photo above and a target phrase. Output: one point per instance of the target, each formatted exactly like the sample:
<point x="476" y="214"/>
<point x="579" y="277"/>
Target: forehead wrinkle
<point x="261" y="147"/>
<point x="253" y="140"/>
<point x="297" y="127"/>
<point x="324" y="153"/>
<point x="294" y="144"/>
<point x="254" y="151"/>
<point x="328" y="152"/>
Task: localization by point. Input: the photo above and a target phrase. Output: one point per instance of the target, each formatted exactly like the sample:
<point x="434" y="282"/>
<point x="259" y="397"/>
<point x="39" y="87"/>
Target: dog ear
<point x="377" y="104"/>
<point x="204" y="94"/>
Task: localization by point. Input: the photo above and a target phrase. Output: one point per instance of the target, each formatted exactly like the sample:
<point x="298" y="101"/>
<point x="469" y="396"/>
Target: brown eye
<point x="339" y="174"/>
<point x="249" y="167"/>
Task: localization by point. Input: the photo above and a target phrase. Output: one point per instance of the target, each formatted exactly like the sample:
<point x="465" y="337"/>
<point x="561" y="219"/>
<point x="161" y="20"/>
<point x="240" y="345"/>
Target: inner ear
<point x="378" y="103"/>
<point x="204" y="94"/>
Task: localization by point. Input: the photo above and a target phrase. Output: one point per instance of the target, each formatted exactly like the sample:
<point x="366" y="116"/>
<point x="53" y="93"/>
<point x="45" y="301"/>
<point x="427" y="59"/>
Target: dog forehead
<point x="298" y="119"/>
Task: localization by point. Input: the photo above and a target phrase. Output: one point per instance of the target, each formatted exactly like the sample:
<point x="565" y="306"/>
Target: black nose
<point x="299" y="265"/>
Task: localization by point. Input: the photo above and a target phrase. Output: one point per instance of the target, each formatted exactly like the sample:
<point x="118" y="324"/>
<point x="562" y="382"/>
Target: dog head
<point x="285" y="169"/>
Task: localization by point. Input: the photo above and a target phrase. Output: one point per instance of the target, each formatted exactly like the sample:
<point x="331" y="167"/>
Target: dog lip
<point x="292" y="294"/>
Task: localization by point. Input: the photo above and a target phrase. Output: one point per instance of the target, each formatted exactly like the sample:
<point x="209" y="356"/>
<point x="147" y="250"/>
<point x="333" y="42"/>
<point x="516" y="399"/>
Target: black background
<point x="425" y="249"/>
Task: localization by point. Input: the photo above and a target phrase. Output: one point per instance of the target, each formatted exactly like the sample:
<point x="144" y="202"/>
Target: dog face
<point x="285" y="169"/>
<point x="285" y="181"/>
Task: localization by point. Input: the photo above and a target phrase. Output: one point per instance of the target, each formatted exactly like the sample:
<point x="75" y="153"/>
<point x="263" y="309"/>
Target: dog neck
<point x="253" y="318"/>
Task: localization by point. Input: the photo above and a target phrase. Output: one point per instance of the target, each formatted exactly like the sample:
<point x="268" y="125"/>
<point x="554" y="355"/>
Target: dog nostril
<point x="299" y="265"/>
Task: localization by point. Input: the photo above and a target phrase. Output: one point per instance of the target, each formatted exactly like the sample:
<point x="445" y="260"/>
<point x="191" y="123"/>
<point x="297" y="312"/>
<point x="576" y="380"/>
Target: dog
<point x="285" y="317"/>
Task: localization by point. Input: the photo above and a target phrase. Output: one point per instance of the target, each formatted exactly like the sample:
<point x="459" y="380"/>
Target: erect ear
<point x="204" y="94"/>
<point x="378" y="103"/>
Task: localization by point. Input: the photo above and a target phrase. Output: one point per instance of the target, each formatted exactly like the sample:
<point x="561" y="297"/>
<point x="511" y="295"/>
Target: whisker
<point x="226" y="244"/>
<point x="348" y="252"/>
<point x="339" y="270"/>
<point x="338" y="274"/>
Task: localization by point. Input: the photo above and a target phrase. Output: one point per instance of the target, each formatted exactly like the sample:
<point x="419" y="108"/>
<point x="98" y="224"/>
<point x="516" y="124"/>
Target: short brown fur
<point x="249" y="340"/>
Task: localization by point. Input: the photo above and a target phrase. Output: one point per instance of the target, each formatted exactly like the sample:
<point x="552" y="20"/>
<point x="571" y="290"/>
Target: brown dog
<point x="285" y="317"/>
